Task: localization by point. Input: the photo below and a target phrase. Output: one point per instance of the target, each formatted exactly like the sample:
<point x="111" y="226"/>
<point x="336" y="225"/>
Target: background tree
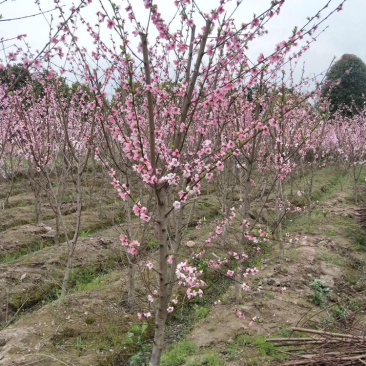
<point x="15" y="76"/>
<point x="346" y="84"/>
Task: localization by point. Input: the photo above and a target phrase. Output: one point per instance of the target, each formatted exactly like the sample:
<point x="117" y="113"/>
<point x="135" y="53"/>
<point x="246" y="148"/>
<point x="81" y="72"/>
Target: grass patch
<point x="201" y="311"/>
<point x="256" y="350"/>
<point x="178" y="354"/>
<point x="308" y="225"/>
<point x="292" y="255"/>
<point x="85" y="234"/>
<point x="32" y="247"/>
<point x="209" y="359"/>
<point x="333" y="258"/>
<point x="94" y="284"/>
<point x="37" y="294"/>
<point x="91" y="277"/>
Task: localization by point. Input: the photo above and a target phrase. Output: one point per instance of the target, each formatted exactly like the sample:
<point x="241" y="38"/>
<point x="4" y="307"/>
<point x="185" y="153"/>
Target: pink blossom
<point x="136" y="210"/>
<point x="239" y="314"/>
<point x="133" y="251"/>
<point x="230" y="273"/>
<point x="176" y="205"/>
<point x="110" y="23"/>
<point x="220" y="166"/>
<point x="145" y="218"/>
<point x="124" y="240"/>
<point x="170" y="309"/>
<point x="218" y="230"/>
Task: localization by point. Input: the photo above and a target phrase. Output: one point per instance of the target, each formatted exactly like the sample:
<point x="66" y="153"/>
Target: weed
<point x="234" y="349"/>
<point x="333" y="258"/>
<point x="113" y="337"/>
<point x="31" y="248"/>
<point x="336" y="314"/>
<point x="339" y="313"/>
<point x="85" y="234"/>
<point x="95" y="284"/>
<point x="331" y="232"/>
<point x="350" y="275"/>
<point x="319" y="292"/>
<point x="292" y="255"/>
<point x="209" y="359"/>
<point x="354" y="305"/>
<point x="264" y="348"/>
<point x="201" y="311"/>
<point x="52" y="295"/>
<point x="243" y="340"/>
<point x="80" y="345"/>
<point x="307" y="225"/>
<point x="135" y="337"/>
<point x="90" y="320"/>
<point x="92" y="277"/>
<point x="261" y="352"/>
<point x="178" y="354"/>
<point x="352" y="230"/>
<point x="153" y="243"/>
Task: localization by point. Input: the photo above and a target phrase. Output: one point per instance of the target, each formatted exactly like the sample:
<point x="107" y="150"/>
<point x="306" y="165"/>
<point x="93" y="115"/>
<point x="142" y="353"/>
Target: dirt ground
<point x="90" y="326"/>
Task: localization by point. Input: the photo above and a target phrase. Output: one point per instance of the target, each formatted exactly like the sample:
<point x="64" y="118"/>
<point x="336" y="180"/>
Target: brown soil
<point x="89" y="328"/>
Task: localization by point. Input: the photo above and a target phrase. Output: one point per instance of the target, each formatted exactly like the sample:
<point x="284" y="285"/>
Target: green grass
<point x="91" y="277"/>
<point x="85" y="234"/>
<point x="94" y="284"/>
<point x="255" y="350"/>
<point x="32" y="247"/>
<point x="333" y="258"/>
<point x="201" y="311"/>
<point x="305" y="224"/>
<point x="178" y="354"/>
<point x="209" y="359"/>
<point x="292" y="255"/>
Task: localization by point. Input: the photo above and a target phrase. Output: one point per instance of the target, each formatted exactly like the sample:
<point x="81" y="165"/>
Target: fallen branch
<point x="324" y="348"/>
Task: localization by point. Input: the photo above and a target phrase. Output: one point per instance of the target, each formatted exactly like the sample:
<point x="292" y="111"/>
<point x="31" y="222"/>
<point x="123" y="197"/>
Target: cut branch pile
<point x="323" y="348"/>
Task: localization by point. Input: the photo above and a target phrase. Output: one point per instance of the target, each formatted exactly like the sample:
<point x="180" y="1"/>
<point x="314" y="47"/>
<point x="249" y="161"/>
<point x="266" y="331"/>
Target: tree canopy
<point x="346" y="85"/>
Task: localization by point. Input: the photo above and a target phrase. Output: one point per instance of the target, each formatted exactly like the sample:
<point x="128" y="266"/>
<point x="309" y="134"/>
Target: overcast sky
<point x="346" y="32"/>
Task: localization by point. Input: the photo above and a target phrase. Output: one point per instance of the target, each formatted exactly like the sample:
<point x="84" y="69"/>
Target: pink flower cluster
<point x="130" y="245"/>
<point x="188" y="277"/>
<point x="141" y="212"/>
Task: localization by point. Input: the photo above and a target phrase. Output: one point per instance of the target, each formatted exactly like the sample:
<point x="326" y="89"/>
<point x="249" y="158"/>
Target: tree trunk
<point x="65" y="282"/>
<point x="71" y="244"/>
<point x="131" y="282"/>
<point x="164" y="288"/>
<point x="245" y="208"/>
<point x="57" y="228"/>
<point x="280" y="211"/>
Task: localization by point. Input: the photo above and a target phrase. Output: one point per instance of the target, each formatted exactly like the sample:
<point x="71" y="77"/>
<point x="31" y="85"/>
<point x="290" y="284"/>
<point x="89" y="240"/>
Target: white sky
<point x="346" y="32"/>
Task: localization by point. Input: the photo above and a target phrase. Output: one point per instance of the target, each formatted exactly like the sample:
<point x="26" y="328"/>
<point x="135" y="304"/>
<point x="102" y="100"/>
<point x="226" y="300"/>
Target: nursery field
<point x="318" y="282"/>
<point x="177" y="188"/>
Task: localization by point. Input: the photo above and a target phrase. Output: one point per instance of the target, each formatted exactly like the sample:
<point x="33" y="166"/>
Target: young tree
<point x="54" y="133"/>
